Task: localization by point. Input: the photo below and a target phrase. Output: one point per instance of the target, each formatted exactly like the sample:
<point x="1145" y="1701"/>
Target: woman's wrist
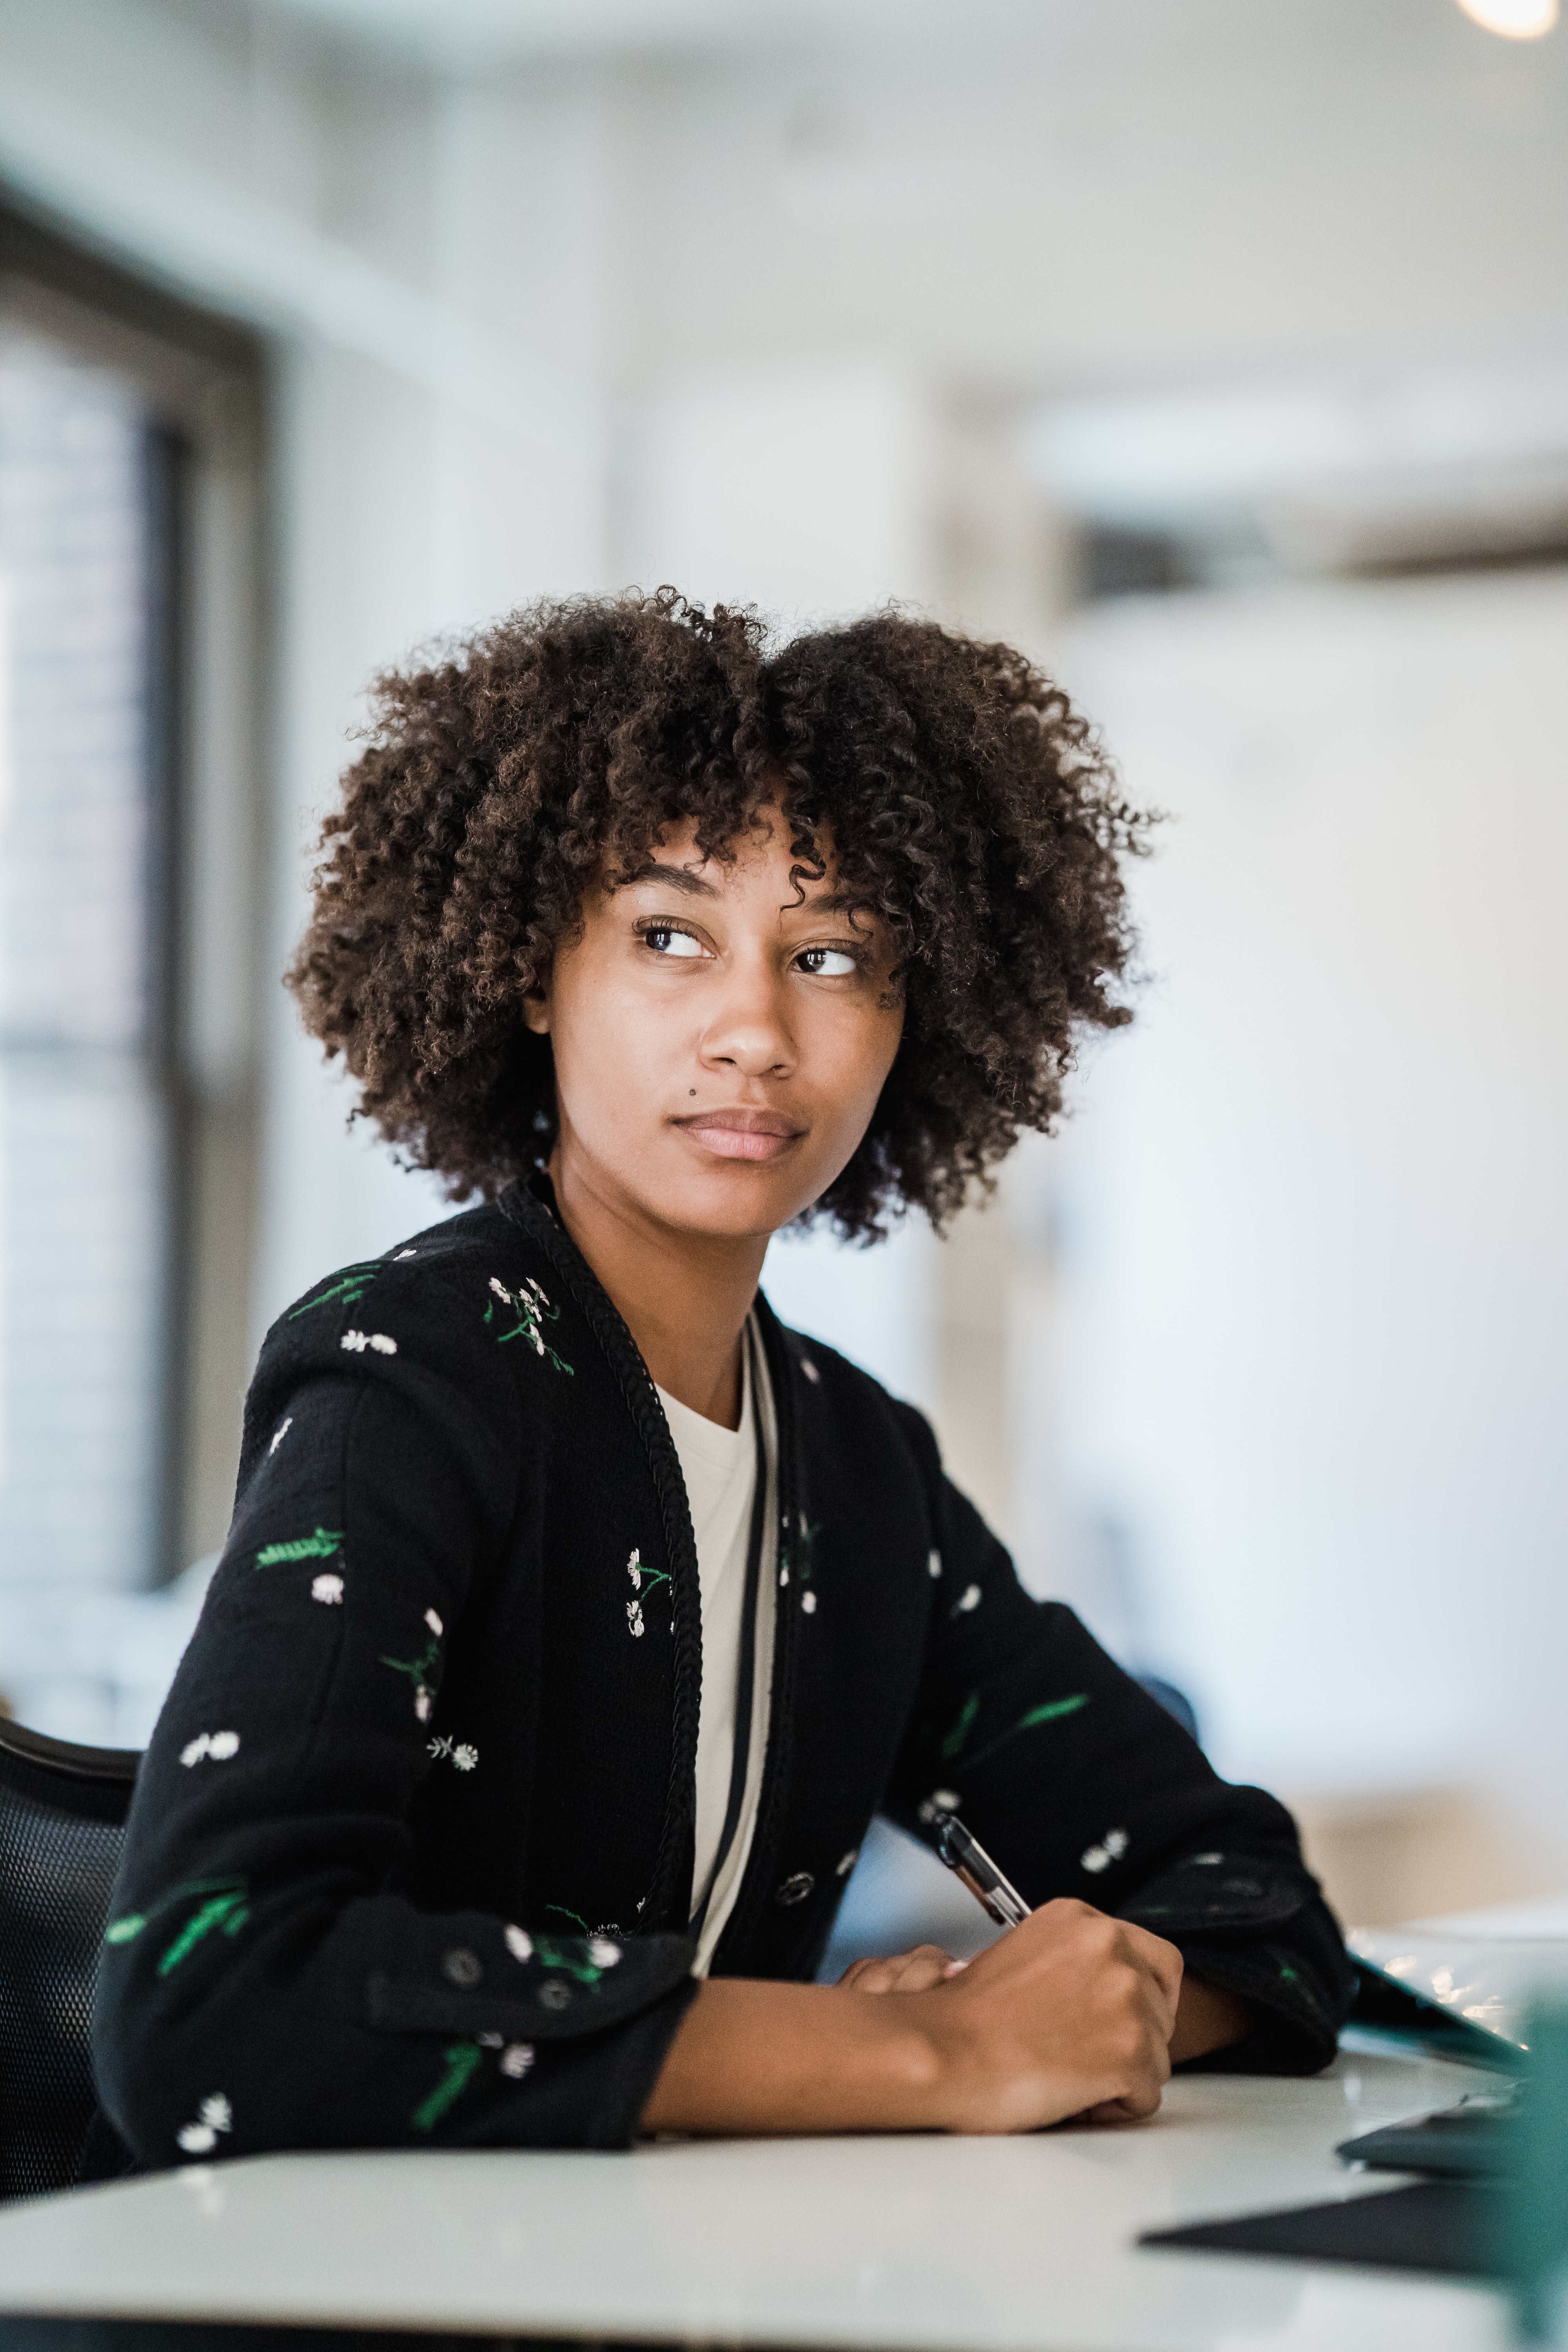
<point x="751" y="2056"/>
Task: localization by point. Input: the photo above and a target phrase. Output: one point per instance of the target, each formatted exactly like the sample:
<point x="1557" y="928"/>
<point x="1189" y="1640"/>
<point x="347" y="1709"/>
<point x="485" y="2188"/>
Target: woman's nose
<point x="750" y="1030"/>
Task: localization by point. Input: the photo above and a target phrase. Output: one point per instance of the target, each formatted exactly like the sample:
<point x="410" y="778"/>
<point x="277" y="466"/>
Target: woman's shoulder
<point x="473" y="1281"/>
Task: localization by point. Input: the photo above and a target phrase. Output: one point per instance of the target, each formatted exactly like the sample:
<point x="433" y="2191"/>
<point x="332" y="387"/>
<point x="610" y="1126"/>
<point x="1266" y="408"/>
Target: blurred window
<point x="128" y="846"/>
<point x="89" y="1129"/>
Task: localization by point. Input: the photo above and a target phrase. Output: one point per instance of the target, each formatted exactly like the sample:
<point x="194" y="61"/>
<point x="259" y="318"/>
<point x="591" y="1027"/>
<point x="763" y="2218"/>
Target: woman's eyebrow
<point x="678" y="878"/>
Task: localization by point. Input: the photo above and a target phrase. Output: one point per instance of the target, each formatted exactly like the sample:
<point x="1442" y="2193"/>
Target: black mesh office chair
<point x="62" y="1813"/>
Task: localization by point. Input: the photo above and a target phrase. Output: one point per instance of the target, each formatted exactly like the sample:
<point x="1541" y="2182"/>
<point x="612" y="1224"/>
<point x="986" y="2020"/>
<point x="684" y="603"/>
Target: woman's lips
<point x="741" y="1134"/>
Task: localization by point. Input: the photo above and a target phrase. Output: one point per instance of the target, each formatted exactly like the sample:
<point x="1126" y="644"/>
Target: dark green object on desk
<point x="1531" y="2220"/>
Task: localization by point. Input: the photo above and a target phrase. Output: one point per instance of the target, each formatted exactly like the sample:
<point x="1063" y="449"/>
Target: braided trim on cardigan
<point x="754" y="1889"/>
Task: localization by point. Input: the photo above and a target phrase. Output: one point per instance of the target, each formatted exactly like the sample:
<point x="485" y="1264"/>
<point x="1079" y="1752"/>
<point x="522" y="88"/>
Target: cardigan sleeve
<point x="1081" y="1784"/>
<point x="264" y="1983"/>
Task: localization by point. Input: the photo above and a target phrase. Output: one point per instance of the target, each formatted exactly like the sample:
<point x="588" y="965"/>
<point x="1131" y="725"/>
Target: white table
<point x="939" y="2245"/>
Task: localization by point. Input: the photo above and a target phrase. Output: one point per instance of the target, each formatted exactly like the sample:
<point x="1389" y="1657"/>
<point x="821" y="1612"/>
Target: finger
<point x="852" y="1978"/>
<point x="916" y="1971"/>
<point x="1163" y="1960"/>
<point x="920" y="1970"/>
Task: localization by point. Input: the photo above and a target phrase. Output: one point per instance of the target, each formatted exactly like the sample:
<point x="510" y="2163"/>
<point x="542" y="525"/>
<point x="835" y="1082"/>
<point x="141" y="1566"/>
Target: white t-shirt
<point x="720" y="1467"/>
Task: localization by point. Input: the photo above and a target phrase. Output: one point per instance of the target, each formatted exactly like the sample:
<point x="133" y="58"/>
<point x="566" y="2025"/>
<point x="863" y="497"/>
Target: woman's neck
<point x="685" y="1296"/>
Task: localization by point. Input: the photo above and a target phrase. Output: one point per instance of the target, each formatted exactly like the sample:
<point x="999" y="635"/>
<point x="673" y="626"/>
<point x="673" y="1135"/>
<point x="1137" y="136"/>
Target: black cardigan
<point x="410" y="1856"/>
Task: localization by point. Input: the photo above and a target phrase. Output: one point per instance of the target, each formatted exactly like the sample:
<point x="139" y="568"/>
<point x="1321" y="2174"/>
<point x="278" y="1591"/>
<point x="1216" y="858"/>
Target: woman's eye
<point x="666" y="941"/>
<point x="827" y="964"/>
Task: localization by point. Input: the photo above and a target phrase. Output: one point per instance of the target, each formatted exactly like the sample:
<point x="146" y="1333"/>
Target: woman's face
<point x="720" y="1040"/>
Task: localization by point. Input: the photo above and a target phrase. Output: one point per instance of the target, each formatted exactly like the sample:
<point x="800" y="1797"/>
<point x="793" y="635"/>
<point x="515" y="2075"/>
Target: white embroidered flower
<point x="279" y="1434"/>
<point x="200" y="2139"/>
<point x="634" y="1570"/>
<point x="520" y="1943"/>
<point x="1111" y="1848"/>
<point x="464" y="1757"/>
<point x="968" y="1599"/>
<point x="809" y="1368"/>
<point x="1115" y="1843"/>
<point x="355" y="1342"/>
<point x="808" y="1602"/>
<point x="403" y="1254"/>
<point x="634" y="1618"/>
<point x="846" y="1863"/>
<point x="501" y="1290"/>
<point x="1206" y="1861"/>
<point x="516" y="2059"/>
<point x="422" y="1704"/>
<point x="381" y="1344"/>
<point x="219" y="1745"/>
<point x="940" y="1800"/>
<point x="1094" y="1858"/>
<point x="326" y="1588"/>
<point x="602" y="1953"/>
<point x="933" y="1563"/>
<point x="784" y="1576"/>
<point x="435" y="1623"/>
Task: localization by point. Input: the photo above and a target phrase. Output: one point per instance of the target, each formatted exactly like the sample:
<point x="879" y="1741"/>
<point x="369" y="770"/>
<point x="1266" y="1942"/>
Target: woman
<point x="576" y="1617"/>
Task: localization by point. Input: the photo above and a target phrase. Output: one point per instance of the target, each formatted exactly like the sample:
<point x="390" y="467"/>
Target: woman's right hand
<point x="1068" y="2014"/>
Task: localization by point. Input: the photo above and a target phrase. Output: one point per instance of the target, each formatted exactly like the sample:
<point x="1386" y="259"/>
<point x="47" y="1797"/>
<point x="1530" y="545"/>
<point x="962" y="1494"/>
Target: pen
<point x="963" y="1854"/>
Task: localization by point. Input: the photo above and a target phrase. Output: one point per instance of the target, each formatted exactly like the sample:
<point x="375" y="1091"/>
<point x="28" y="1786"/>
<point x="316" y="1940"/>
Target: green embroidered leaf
<point x="551" y="1955"/>
<point x="420" y="1670"/>
<point x="459" y="2061"/>
<point x="575" y="1917"/>
<point x="1287" y="1974"/>
<point x="962" y="1728"/>
<point x="348" y="1290"/>
<point x="323" y="1545"/>
<point x="201" y="1923"/>
<point x="121" y="1931"/>
<point x="1052" y="1711"/>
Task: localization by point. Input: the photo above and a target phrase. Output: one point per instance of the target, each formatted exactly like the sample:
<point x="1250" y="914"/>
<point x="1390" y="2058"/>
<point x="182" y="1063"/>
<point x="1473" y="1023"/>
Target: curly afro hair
<point x="964" y="799"/>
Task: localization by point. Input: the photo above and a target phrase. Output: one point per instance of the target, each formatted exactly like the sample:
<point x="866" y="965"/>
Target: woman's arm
<point x="1081" y="1784"/>
<point x="1072" y="2013"/>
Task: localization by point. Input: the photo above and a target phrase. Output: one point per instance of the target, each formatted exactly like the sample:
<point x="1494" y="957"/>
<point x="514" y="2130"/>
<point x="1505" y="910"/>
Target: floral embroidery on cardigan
<point x="325" y="1544"/>
<point x="458" y="2068"/>
<point x="357" y="1342"/>
<point x="533" y="1310"/>
<point x="223" y="1904"/>
<point x="219" y="1745"/>
<point x="1111" y="1848"/>
<point x="214" y="2115"/>
<point x="640" y="1576"/>
<point x="279" y="1434"/>
<point x="424" y="1672"/>
<point x="326" y="1588"/>
<point x="458" y="1753"/>
<point x="347" y="1291"/>
<point x="1051" y="1710"/>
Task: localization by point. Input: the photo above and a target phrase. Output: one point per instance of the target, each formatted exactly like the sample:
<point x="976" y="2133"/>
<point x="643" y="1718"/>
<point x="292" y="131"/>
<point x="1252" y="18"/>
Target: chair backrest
<point x="62" y="1815"/>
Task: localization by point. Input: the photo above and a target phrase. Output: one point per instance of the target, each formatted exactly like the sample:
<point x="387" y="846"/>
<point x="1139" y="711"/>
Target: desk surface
<point x="938" y="2245"/>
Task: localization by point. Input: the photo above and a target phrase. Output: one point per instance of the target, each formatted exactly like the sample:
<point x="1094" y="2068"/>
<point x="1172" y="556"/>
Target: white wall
<point x="1314" y="1260"/>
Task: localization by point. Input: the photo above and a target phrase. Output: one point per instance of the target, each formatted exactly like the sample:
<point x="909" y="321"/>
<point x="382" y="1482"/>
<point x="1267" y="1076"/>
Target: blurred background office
<point x="1216" y="353"/>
